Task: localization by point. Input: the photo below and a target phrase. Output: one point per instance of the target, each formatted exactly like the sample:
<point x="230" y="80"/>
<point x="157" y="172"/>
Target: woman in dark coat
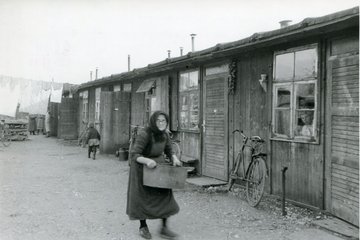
<point x="145" y="202"/>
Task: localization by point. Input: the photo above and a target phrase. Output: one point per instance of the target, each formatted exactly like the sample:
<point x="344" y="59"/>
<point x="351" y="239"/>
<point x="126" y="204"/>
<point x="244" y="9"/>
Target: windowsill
<point x="189" y="131"/>
<point x="296" y="140"/>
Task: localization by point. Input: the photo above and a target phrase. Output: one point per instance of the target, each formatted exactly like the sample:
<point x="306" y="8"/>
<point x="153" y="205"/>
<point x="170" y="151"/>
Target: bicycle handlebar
<point x="252" y="138"/>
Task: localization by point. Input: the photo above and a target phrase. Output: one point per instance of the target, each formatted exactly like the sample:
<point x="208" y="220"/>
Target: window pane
<point x="283" y="97"/>
<point x="194" y="116"/>
<point x="189" y="81"/>
<point x="305" y="124"/>
<point x="189" y="100"/>
<point x="305" y="96"/>
<point x="184" y="120"/>
<point x="184" y="103"/>
<point x="305" y="64"/>
<point x="282" y="122"/>
<point x="127" y="87"/>
<point x="284" y="67"/>
<point x="97" y="93"/>
<point x="117" y="88"/>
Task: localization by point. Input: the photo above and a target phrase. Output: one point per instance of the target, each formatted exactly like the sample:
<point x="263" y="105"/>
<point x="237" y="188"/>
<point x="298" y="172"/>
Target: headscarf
<point x="91" y="125"/>
<point x="158" y="135"/>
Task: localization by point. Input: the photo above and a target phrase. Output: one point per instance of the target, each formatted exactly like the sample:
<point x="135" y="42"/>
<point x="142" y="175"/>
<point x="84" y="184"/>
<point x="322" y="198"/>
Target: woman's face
<point x="161" y="122"/>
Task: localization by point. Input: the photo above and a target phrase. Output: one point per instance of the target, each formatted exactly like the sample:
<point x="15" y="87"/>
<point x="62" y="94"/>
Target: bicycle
<point x="256" y="171"/>
<point x="175" y="144"/>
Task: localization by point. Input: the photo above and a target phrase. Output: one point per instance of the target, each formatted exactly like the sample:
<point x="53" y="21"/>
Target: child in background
<point x="93" y="140"/>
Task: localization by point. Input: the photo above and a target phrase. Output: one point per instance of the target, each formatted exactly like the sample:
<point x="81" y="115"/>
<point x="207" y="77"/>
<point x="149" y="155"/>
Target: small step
<point x="186" y="159"/>
<point x="205" y="181"/>
<point x="190" y="169"/>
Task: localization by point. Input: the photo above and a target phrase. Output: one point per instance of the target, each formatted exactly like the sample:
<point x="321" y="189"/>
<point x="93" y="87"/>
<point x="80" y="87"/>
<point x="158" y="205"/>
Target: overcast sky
<point x="66" y="39"/>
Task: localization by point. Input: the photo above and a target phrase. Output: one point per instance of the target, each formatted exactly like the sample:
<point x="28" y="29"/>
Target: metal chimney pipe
<point x="181" y="51"/>
<point x="192" y="42"/>
<point x="285" y="23"/>
<point x="169" y="52"/>
<point x="90" y="75"/>
<point x="128" y="62"/>
<point x="96" y="73"/>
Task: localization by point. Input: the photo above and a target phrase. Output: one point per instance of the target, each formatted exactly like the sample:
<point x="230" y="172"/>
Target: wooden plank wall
<point x="121" y="119"/>
<point x="173" y="105"/>
<point x="80" y="124"/>
<point x="162" y="94"/>
<point x="343" y="118"/>
<point x="91" y="105"/>
<point x="106" y="128"/>
<point x="304" y="177"/>
<point x="305" y="162"/>
<point x="115" y="119"/>
<point x="252" y="113"/>
<point x="54" y="110"/>
<point x="137" y="105"/>
<point x="190" y="145"/>
<point x="250" y="104"/>
<point x="68" y="118"/>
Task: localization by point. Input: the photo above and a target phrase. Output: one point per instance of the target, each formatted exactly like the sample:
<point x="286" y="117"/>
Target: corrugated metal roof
<point x="256" y="38"/>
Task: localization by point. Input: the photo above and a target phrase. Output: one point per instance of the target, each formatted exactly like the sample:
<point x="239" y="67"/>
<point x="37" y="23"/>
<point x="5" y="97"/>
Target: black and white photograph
<point x="187" y="120"/>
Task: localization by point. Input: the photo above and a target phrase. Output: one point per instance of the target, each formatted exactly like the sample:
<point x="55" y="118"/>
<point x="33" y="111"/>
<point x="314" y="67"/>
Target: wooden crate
<point x="165" y="176"/>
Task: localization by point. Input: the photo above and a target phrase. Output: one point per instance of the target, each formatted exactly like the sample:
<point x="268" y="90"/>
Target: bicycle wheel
<point x="234" y="172"/>
<point x="176" y="148"/>
<point x="255" y="181"/>
<point x="6" y="141"/>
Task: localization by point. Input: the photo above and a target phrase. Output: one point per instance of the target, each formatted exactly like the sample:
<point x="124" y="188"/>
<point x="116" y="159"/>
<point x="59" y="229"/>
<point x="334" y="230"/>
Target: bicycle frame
<point x="255" y="173"/>
<point x="240" y="160"/>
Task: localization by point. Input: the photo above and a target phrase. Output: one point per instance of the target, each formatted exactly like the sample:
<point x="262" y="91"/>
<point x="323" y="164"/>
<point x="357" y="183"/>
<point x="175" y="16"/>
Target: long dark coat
<point x="145" y="202"/>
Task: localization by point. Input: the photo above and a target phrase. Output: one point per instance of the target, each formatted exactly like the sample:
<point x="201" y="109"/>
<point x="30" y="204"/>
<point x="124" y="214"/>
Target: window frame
<point x="97" y="104"/>
<point x="293" y="83"/>
<point x="187" y="93"/>
<point x="85" y="105"/>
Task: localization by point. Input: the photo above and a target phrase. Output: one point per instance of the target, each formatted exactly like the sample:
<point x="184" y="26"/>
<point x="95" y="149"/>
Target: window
<point x="127" y="87"/>
<point x="84" y="95"/>
<point x="189" y="100"/>
<point x="217" y="70"/>
<point x="117" y="88"/>
<point x="295" y="95"/>
<point x="97" y="104"/>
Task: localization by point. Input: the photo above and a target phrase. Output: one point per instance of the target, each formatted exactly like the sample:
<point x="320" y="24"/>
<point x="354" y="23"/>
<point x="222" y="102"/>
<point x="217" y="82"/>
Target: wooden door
<point x="114" y="121"/>
<point x="342" y="126"/>
<point x="67" y="119"/>
<point x="215" y="127"/>
<point x="121" y="119"/>
<point x="105" y="123"/>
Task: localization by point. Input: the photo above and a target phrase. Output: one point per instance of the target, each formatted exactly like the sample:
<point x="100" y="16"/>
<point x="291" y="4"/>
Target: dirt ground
<point x="50" y="190"/>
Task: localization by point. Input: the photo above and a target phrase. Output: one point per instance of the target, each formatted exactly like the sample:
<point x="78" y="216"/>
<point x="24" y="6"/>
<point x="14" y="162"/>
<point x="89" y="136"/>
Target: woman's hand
<point x="176" y="161"/>
<point x="151" y="163"/>
<point x="146" y="161"/>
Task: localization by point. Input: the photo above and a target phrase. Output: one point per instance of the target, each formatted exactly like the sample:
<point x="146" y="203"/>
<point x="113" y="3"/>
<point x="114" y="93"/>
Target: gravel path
<point x="50" y="190"/>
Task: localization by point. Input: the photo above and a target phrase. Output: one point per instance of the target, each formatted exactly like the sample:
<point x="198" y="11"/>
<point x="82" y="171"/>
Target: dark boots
<point x="89" y="151"/>
<point x="92" y="149"/>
